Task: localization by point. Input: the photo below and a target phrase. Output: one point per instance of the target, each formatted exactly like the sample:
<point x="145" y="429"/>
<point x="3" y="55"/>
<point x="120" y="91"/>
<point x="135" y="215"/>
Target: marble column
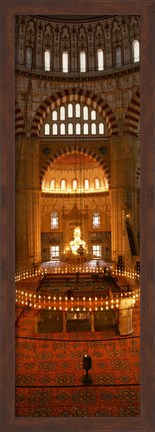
<point x="28" y="196"/>
<point x="123" y="194"/>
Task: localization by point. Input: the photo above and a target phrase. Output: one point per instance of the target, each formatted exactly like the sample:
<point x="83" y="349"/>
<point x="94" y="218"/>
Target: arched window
<point x="96" y="220"/>
<point x="97" y="183"/>
<point x="74" y="184"/>
<point x="85" y="128"/>
<point x="52" y="183"/>
<point x="63" y="184"/>
<point x="44" y="184"/>
<point x="47" y="129"/>
<point x="118" y="56"/>
<point x="54" y="220"/>
<point x="82" y="61"/>
<point x="62" y="129"/>
<point x="70" y="110"/>
<point x="78" y="129"/>
<point x="136" y="51"/>
<point x="65" y="120"/>
<point x="85" y="113"/>
<point x="93" y="128"/>
<point x="93" y="115"/>
<point x="54" y="115"/>
<point x="55" y="129"/>
<point x="105" y="182"/>
<point x="86" y="183"/>
<point x="47" y="60"/>
<point x="77" y="110"/>
<point x="100" y="60"/>
<point x="65" y="62"/>
<point x="28" y="57"/>
<point x="62" y="113"/>
<point x="101" y="128"/>
<point x="70" y="128"/>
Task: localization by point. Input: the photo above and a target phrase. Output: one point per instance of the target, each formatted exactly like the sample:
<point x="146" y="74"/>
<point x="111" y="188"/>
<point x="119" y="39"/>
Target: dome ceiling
<point x="74" y="161"/>
<point x="71" y="166"/>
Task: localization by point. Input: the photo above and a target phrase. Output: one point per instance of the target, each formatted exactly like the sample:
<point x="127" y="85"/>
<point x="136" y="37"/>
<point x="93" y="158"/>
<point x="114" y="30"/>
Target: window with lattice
<point x="54" y="252"/>
<point x="54" y="220"/>
<point x="96" y="220"/>
<point x="96" y="251"/>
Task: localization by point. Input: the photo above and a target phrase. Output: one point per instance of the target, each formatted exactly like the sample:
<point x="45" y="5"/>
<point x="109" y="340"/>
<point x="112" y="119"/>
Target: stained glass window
<point x="54" y="220"/>
<point x="96" y="220"/>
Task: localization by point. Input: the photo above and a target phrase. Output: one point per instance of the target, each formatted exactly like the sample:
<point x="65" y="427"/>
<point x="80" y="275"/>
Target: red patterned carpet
<point x="49" y="371"/>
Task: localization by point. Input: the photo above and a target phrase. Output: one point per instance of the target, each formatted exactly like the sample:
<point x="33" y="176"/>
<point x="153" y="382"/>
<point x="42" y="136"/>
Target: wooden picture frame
<point x="10" y="8"/>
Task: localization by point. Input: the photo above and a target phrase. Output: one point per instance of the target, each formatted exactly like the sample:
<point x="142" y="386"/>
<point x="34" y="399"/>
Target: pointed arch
<point x="19" y="122"/>
<point x="72" y="149"/>
<point x="132" y="116"/>
<point x="78" y="95"/>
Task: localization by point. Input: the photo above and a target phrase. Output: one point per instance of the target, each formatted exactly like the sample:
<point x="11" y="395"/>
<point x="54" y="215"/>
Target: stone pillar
<point x="64" y="321"/>
<point x="123" y="153"/>
<point x="92" y="322"/>
<point x="28" y="196"/>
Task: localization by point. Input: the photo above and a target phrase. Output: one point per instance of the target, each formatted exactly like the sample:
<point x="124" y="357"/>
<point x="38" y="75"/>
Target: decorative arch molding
<point x="19" y="122"/>
<point x="132" y="115"/>
<point x="73" y="149"/>
<point x="80" y="95"/>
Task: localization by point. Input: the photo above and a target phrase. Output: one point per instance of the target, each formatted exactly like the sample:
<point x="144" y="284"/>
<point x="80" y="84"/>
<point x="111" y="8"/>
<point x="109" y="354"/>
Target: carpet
<point x="49" y="371"/>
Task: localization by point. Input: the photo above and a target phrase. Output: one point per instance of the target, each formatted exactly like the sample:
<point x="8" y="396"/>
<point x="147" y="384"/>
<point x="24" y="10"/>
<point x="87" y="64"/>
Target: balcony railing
<point x="90" y="73"/>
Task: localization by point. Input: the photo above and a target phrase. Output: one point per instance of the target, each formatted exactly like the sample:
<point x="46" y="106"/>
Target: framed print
<point x="77" y="117"/>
